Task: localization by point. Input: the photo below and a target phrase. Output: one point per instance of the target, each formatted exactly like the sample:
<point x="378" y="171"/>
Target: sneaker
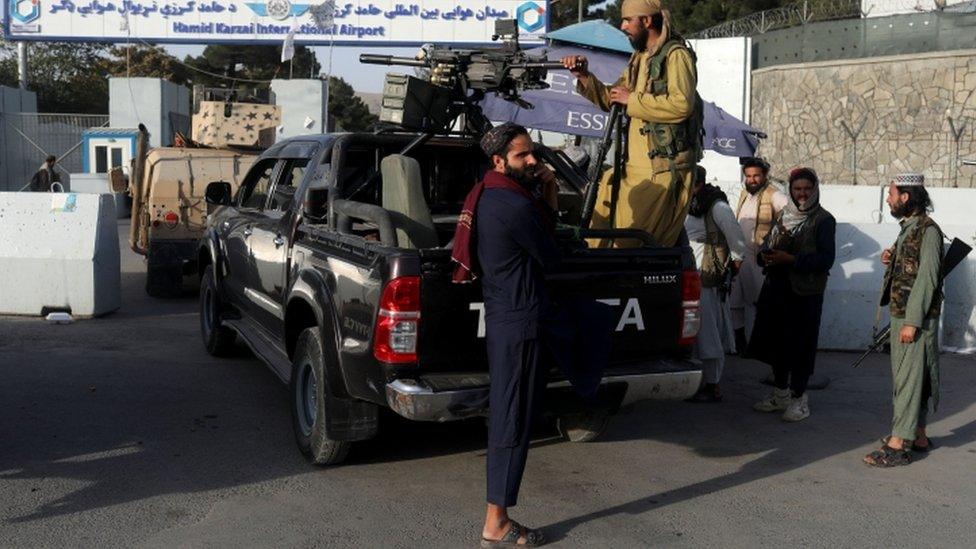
<point x="798" y="409"/>
<point x="779" y="400"/>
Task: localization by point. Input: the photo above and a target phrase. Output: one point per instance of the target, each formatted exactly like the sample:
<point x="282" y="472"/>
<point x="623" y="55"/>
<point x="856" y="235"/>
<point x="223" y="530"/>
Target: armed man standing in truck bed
<point x="658" y="91"/>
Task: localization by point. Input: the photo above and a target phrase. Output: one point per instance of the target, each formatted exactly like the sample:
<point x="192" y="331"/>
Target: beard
<point x="753" y="189"/>
<point x="525" y="177"/>
<point x="639" y="41"/>
<point x="900" y="211"/>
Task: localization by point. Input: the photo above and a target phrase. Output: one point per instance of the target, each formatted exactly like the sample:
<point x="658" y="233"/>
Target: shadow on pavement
<point x="853" y="412"/>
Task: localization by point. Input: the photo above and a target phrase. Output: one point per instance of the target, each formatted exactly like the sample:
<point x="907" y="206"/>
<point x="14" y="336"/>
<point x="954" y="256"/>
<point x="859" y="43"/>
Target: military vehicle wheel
<point x="310" y="398"/>
<point x="583" y="427"/>
<point x="164" y="279"/>
<point x="218" y="339"/>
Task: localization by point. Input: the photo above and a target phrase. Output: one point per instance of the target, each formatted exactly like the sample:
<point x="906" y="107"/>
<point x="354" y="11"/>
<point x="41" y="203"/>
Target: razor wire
<point x="793" y="15"/>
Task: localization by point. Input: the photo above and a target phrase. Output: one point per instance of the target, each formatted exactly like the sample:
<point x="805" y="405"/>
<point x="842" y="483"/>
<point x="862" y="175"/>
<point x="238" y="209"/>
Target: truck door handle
<point x="279" y="242"/>
<point x="247" y="232"/>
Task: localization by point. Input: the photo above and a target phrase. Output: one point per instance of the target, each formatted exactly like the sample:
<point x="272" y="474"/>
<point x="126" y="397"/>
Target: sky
<point x="345" y="62"/>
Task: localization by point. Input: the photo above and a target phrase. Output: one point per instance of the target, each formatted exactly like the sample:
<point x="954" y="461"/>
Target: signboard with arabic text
<point x="317" y="22"/>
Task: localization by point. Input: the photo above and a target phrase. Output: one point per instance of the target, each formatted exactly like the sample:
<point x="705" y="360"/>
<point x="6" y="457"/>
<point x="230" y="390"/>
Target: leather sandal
<point x="533" y="538"/>
<point x="888" y="457"/>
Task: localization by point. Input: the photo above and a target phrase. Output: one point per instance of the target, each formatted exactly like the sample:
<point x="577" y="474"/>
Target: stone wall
<point x="915" y="113"/>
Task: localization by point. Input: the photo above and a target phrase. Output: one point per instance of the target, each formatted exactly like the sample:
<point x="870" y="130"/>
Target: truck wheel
<point x="583" y="427"/>
<point x="217" y="338"/>
<point x="310" y="395"/>
<point x="164" y="279"/>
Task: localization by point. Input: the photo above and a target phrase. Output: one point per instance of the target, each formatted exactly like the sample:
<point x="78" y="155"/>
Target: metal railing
<point x="794" y="15"/>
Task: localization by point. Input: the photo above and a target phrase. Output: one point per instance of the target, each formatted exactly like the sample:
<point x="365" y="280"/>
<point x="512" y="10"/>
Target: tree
<point x="348" y="110"/>
<point x="68" y="78"/>
<point x="250" y="63"/>
<point x="146" y="61"/>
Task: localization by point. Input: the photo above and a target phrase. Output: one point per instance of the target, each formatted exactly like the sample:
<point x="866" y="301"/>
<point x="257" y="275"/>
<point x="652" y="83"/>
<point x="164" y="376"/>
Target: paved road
<point x="122" y="431"/>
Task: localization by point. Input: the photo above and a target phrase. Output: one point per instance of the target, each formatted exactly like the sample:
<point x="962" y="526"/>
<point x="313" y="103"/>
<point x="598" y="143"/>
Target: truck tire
<point x="583" y="427"/>
<point x="310" y="397"/>
<point x="164" y="280"/>
<point x="218" y="339"/>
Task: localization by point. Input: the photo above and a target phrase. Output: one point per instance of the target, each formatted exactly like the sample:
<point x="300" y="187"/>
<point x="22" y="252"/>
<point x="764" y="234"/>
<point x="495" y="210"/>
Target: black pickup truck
<point x="332" y="262"/>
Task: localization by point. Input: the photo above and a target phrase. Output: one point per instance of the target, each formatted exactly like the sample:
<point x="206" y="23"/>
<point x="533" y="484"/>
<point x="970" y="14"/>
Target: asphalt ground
<point x="123" y="431"/>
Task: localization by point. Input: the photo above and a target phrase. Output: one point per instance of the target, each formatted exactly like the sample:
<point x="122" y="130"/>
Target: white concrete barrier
<point x="854" y="286"/>
<point x="865" y="227"/>
<point x="854" y="289"/>
<point x="959" y="311"/>
<point x="60" y="251"/>
<point x="99" y="183"/>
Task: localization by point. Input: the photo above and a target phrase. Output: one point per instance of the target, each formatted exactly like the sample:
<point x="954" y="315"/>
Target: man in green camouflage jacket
<point x="913" y="290"/>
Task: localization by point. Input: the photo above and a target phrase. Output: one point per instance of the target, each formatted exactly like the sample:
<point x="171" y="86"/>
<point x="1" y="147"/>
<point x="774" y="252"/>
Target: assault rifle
<point x="457" y="79"/>
<point x="612" y="135"/>
<point x="958" y="250"/>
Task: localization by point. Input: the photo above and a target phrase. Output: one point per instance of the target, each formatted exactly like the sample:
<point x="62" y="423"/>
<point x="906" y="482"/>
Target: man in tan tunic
<point x="658" y="89"/>
<point x="759" y="203"/>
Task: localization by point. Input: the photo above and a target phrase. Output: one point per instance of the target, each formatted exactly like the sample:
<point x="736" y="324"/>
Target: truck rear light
<point x="171" y="219"/>
<point x="690" y="300"/>
<point x="398" y="321"/>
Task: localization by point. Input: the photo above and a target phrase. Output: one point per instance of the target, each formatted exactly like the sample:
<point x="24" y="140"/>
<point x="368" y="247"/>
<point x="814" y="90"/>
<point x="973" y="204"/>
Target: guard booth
<point x="107" y="148"/>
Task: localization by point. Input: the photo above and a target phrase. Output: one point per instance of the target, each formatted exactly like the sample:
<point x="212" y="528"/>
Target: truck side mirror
<point x="218" y="193"/>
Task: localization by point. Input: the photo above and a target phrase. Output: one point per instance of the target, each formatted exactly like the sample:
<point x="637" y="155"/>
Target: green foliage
<point x="250" y="62"/>
<point x="146" y="61"/>
<point x="68" y="78"/>
<point x="349" y="111"/>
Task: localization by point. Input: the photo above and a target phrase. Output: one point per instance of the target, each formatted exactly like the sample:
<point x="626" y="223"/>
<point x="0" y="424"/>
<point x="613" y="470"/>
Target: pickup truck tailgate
<point x="642" y="287"/>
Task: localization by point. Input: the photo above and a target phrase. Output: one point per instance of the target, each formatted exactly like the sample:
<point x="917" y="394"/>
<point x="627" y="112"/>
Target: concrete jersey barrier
<point x="59" y="251"/>
<point x="854" y="289"/>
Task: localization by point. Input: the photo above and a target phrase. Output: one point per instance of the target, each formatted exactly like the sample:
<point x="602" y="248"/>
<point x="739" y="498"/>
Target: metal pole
<point x="580" y="11"/>
<point x="328" y="81"/>
<point x="22" y="64"/>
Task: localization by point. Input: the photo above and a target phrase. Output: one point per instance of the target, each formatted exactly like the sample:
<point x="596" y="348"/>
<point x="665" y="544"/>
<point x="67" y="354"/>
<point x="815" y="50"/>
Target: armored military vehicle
<point x="168" y="183"/>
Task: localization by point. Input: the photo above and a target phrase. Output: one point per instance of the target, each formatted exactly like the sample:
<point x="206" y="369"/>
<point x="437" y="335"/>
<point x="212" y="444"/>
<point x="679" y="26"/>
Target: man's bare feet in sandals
<point x="501" y="531"/>
<point x="888" y="457"/>
<point x="922" y="442"/>
<point x="515" y="535"/>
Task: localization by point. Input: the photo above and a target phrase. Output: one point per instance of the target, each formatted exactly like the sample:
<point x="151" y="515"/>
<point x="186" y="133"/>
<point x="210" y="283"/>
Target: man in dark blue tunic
<point x="510" y="223"/>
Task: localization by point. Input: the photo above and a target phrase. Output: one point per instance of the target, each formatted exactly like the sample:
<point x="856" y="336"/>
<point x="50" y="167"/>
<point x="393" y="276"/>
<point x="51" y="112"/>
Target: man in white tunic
<point x="759" y="203"/>
<point x="718" y="246"/>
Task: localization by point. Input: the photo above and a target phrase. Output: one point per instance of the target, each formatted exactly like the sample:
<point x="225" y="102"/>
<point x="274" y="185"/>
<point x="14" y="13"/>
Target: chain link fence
<point x="794" y="15"/>
<point x="29" y="138"/>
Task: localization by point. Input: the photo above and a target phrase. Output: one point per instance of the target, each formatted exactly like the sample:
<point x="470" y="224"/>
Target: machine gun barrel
<point x="548" y="65"/>
<point x="373" y="59"/>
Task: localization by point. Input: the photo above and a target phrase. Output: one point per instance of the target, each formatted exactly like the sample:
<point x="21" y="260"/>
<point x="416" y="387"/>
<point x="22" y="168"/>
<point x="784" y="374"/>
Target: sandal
<point x="533" y="538"/>
<point x="888" y="457"/>
<point x="915" y="447"/>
